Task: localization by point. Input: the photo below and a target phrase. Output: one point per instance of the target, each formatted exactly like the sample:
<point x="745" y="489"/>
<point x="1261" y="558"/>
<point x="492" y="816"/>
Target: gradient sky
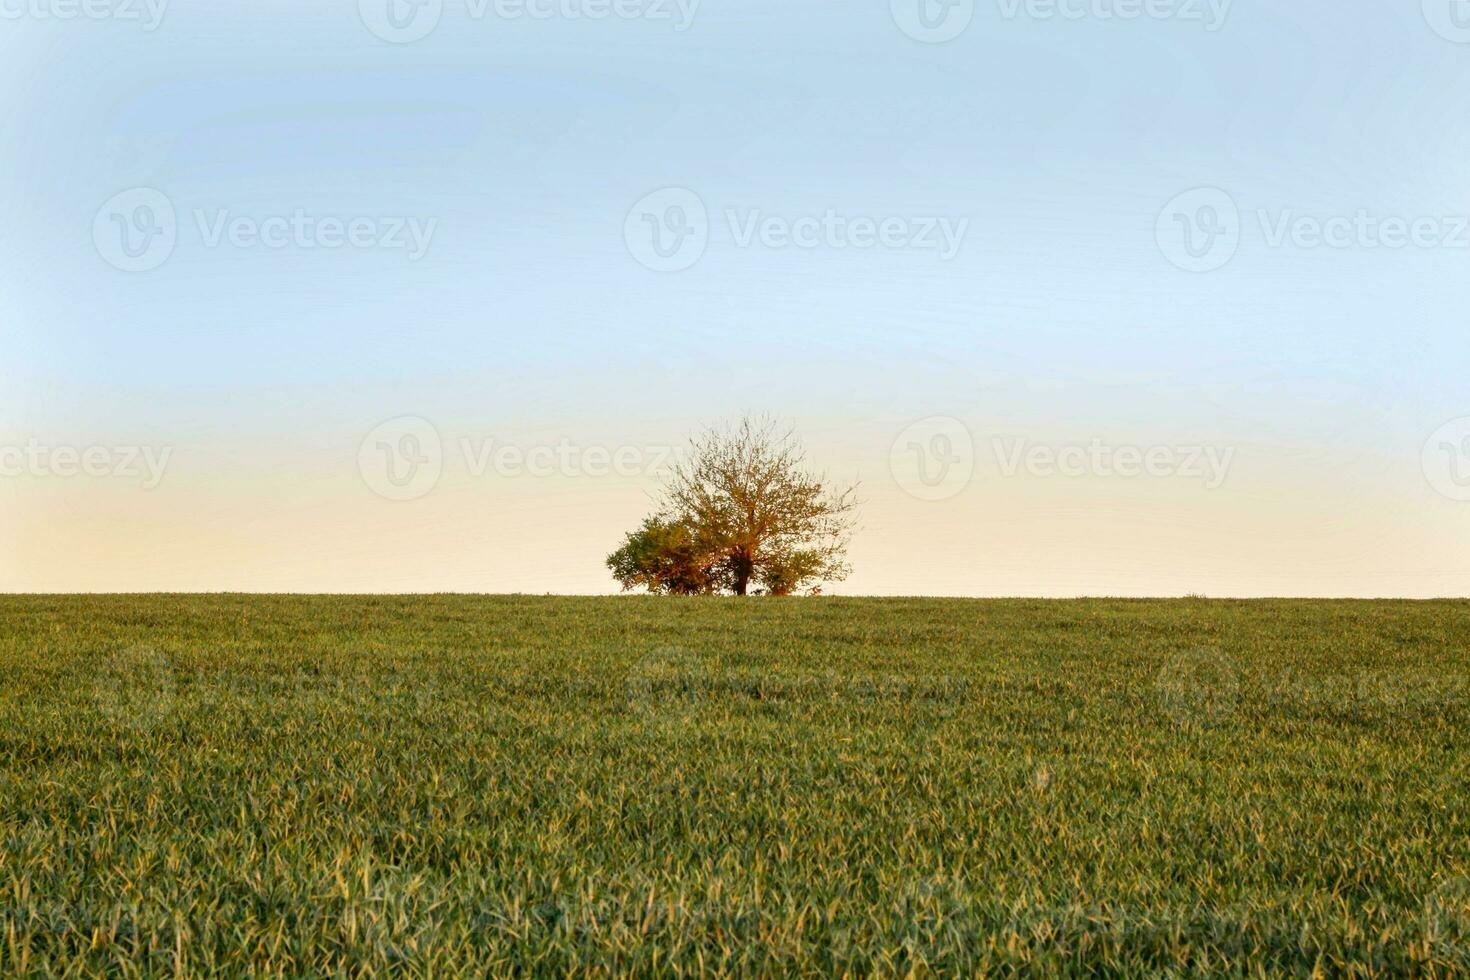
<point x="1072" y="315"/>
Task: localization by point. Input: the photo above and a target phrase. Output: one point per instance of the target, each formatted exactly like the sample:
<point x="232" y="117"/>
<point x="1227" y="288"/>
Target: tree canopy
<point x="740" y="510"/>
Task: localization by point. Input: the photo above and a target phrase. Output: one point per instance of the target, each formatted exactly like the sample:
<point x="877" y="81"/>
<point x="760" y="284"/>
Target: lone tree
<point x="740" y="509"/>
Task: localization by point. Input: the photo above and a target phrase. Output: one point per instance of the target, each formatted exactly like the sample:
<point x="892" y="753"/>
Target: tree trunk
<point x="744" y="565"/>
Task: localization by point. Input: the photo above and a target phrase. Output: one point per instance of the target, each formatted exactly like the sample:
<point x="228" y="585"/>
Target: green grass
<point x="442" y="785"/>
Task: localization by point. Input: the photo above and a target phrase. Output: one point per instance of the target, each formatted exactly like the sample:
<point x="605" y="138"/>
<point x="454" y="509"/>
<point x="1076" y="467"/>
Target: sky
<point x="1089" y="297"/>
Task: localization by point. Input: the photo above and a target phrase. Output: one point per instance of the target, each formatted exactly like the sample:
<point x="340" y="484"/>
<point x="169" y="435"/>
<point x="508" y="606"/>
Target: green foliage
<point x="439" y="785"/>
<point x="786" y="572"/>
<point x="668" y="557"/>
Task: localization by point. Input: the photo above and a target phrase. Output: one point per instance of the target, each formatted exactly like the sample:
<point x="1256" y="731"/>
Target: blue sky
<point x="523" y="143"/>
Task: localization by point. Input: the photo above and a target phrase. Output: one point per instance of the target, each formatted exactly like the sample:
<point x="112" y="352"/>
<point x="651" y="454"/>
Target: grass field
<point x="444" y="785"/>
